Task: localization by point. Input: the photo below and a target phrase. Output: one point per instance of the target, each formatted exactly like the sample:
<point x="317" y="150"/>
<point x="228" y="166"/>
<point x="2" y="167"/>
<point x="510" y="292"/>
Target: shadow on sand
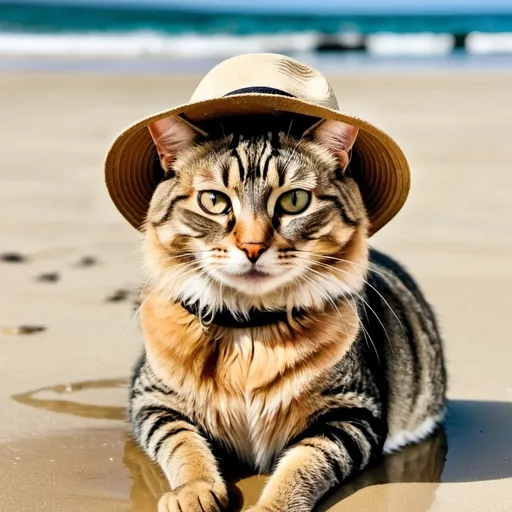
<point x="479" y="441"/>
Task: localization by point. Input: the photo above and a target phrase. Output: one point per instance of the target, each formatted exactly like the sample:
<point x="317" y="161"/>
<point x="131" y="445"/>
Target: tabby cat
<point x="274" y="336"/>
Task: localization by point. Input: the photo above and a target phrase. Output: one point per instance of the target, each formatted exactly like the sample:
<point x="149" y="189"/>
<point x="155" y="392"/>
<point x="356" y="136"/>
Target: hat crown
<point x="266" y="70"/>
<point x="259" y="84"/>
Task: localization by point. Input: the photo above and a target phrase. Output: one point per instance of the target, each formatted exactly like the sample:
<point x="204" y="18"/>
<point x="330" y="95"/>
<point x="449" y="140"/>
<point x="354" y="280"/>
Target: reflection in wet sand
<point x="76" y="408"/>
<point x="83" y="470"/>
<point x="420" y="466"/>
<point x="148" y="482"/>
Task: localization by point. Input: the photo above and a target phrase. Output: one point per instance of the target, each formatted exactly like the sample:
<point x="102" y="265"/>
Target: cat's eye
<point x="294" y="201"/>
<point x="213" y="202"/>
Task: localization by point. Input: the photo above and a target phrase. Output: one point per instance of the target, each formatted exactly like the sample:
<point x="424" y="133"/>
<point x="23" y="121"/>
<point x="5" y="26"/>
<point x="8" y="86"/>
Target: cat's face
<point x="255" y="217"/>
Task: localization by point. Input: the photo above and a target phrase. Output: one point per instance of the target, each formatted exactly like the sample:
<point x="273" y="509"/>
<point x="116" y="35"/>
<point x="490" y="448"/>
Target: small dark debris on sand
<point x="22" y="330"/>
<point x="49" y="277"/>
<point x="87" y="261"/>
<point x="13" y="257"/>
<point x="118" y="296"/>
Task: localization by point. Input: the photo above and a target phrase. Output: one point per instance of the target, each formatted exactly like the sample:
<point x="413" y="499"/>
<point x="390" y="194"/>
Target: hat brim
<point x="382" y="172"/>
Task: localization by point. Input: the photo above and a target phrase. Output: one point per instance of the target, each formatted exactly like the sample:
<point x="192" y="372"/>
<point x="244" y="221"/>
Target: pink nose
<point x="253" y="250"/>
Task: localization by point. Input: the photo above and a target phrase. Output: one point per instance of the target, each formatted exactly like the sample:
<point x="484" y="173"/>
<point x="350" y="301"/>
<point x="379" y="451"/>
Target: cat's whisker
<point x="290" y="305"/>
<point x="292" y="154"/>
<point x="215" y="152"/>
<point x="137" y="311"/>
<point x="194" y="260"/>
<point x="358" y="295"/>
<point x="183" y="265"/>
<point x="364" y="301"/>
<point x="341" y="260"/>
<point x="289" y="127"/>
<point x="200" y="273"/>
<point x="365" y="331"/>
<point x="189" y="267"/>
<point x="387" y="304"/>
<point x="157" y="288"/>
<point x="345" y="272"/>
<point x="180" y="281"/>
<point x="145" y="286"/>
<point x="183" y="255"/>
<point x="149" y="264"/>
<point x="330" y="300"/>
<point x="323" y="277"/>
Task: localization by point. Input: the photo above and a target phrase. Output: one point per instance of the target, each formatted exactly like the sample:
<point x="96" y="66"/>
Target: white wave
<point x="410" y="44"/>
<point x="484" y="43"/>
<point x="137" y="44"/>
<point x="142" y="44"/>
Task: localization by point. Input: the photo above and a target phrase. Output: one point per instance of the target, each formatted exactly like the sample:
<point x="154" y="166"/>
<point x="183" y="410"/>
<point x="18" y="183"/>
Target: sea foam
<point x="150" y="43"/>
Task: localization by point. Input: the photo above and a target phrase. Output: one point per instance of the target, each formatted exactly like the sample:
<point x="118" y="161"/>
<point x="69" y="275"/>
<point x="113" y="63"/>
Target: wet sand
<point x="63" y="438"/>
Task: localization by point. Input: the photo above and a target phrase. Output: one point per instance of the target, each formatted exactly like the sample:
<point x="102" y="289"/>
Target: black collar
<point x="256" y="317"/>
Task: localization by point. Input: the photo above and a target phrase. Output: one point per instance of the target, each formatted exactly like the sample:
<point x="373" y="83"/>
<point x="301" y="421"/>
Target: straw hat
<point x="259" y="84"/>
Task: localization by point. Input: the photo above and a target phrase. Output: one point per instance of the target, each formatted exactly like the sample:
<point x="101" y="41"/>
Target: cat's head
<point x="258" y="212"/>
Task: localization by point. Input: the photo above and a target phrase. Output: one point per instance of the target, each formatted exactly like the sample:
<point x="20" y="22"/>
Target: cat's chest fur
<point x="248" y="402"/>
<point x="250" y="389"/>
<point x="254" y="407"/>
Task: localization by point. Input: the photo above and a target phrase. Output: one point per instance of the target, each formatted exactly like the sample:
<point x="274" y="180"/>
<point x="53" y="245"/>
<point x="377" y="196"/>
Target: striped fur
<point x="313" y="400"/>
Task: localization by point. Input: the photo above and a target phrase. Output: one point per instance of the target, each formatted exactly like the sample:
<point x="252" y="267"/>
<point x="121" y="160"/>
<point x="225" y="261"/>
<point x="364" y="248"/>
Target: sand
<point x="63" y="443"/>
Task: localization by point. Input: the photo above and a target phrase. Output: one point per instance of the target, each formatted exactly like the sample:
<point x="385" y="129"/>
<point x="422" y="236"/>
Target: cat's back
<point x="412" y="348"/>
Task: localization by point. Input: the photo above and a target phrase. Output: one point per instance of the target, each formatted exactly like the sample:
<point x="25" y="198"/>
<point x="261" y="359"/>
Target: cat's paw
<point x="259" y="508"/>
<point x="196" y="496"/>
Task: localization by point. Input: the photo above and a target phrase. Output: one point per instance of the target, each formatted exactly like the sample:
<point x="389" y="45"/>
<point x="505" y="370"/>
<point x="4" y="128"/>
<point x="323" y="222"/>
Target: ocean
<point x="137" y="30"/>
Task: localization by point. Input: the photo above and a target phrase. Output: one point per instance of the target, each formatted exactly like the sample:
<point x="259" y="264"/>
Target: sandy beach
<point x="63" y="437"/>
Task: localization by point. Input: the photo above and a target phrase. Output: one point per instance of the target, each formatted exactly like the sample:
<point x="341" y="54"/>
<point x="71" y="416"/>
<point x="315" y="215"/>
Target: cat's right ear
<point x="171" y="135"/>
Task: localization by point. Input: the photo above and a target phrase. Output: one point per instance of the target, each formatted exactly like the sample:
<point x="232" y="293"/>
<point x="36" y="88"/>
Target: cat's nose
<point x="254" y="250"/>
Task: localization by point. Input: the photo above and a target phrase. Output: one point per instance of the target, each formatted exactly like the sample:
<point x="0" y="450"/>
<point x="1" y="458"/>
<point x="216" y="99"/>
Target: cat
<point x="275" y="338"/>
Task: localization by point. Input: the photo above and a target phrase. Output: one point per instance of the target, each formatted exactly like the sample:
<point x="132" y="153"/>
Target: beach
<point x="63" y="438"/>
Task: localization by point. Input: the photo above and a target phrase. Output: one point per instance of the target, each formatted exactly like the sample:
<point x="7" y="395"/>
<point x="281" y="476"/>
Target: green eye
<point x="295" y="201"/>
<point x="215" y="203"/>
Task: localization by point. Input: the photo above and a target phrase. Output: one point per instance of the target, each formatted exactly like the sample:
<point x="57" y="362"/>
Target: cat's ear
<point x="170" y="135"/>
<point x="336" y="136"/>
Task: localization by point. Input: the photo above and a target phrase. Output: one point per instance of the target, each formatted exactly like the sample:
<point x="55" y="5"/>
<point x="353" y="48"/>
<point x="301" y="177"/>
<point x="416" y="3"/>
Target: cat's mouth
<point x="254" y="281"/>
<point x="254" y="275"/>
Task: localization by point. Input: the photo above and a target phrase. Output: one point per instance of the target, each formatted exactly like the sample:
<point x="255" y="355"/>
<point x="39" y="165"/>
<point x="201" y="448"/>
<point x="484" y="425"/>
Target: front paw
<point x="198" y="496"/>
<point x="259" y="508"/>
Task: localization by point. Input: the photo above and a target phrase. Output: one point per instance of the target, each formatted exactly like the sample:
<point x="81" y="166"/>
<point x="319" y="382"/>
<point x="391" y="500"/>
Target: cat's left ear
<point x="337" y="137"/>
<point x="171" y="135"/>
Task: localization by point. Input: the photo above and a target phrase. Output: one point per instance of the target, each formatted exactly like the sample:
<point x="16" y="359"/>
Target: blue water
<point x="300" y="7"/>
<point x="38" y="18"/>
<point x="183" y="30"/>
